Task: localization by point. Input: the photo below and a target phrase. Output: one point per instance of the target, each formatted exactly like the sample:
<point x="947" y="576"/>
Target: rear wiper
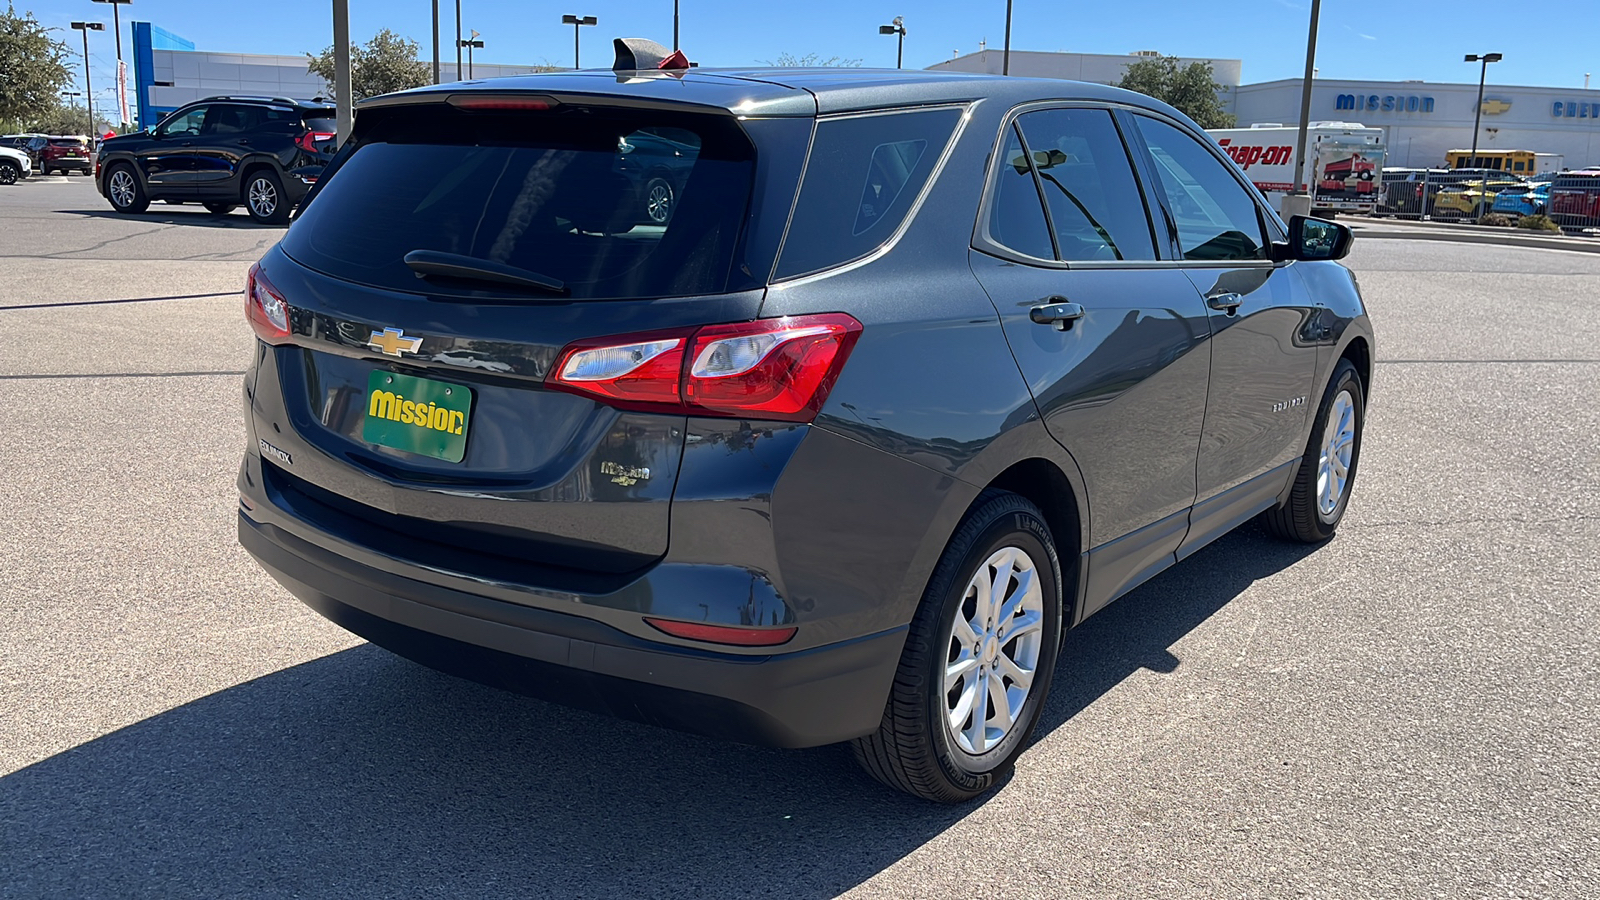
<point x="470" y="268"/>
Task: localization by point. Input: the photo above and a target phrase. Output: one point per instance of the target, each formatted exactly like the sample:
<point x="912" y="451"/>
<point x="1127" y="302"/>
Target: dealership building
<point x="168" y="71"/>
<point x="1423" y="120"/>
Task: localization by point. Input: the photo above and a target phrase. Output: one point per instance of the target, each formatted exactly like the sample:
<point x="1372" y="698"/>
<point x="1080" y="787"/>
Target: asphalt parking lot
<point x="1410" y="711"/>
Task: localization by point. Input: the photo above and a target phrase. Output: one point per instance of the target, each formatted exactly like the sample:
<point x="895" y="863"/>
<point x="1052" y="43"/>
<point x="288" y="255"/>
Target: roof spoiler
<point x="640" y="54"/>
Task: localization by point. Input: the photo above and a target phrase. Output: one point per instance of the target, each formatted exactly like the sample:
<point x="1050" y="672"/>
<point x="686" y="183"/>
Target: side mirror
<point x="1314" y="239"/>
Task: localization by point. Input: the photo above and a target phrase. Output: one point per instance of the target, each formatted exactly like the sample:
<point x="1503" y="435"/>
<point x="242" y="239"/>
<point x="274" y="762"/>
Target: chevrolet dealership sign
<point x="1572" y="109"/>
<point x="1383" y="103"/>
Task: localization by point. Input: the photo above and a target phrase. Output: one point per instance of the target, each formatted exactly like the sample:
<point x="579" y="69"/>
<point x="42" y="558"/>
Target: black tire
<point x="10" y="172"/>
<point x="1300" y="518"/>
<point x="264" y="198"/>
<point x="221" y="209"/>
<point x="138" y="201"/>
<point x="913" y="749"/>
<point x="660" y="199"/>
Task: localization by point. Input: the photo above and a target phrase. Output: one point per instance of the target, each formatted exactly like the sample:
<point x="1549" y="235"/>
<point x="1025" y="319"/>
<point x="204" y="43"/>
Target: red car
<point x="1575" y="199"/>
<point x="65" y="155"/>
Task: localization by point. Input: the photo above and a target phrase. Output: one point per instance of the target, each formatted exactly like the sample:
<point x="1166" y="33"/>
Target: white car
<point x="14" y="165"/>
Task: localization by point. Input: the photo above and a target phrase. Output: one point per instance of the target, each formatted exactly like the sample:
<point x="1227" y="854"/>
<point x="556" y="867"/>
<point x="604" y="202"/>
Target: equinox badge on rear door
<point x="393" y="342"/>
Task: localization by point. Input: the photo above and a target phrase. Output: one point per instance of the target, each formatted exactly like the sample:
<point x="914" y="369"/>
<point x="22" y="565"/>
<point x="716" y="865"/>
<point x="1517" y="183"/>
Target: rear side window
<point x="863" y="176"/>
<point x="1016" y="215"/>
<point x="614" y="204"/>
<point x="227" y="118"/>
<point x="1087" y="179"/>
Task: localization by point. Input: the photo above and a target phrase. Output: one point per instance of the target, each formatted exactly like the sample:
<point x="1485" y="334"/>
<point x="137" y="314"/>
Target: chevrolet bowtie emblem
<point x="1495" y="106"/>
<point x="393" y="342"/>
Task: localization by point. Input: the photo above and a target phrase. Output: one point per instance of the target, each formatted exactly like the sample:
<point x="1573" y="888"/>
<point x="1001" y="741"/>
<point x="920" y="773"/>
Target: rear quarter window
<point x="864" y="174"/>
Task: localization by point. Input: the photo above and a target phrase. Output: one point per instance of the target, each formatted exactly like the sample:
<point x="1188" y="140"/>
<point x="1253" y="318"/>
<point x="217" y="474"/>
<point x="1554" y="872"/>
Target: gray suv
<point x="923" y="370"/>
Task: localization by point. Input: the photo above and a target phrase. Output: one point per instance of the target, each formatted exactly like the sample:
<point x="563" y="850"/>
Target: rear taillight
<point x="266" y="309"/>
<point x="308" y="141"/>
<point x="778" y="369"/>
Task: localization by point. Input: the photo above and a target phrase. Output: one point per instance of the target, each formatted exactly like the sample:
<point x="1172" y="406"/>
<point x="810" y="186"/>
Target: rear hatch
<point x="67" y="150"/>
<point x="414" y="401"/>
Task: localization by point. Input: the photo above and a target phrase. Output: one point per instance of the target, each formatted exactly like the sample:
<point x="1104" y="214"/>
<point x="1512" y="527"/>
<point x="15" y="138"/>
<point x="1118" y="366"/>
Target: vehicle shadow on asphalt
<point x="175" y="215"/>
<point x="360" y="774"/>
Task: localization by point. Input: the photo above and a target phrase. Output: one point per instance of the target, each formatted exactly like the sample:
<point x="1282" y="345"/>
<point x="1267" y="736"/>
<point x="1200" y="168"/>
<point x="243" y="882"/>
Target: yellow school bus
<point x="1517" y="162"/>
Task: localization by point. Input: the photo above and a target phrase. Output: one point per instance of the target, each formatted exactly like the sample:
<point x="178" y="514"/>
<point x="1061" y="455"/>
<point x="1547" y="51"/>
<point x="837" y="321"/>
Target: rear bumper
<point x="800" y="699"/>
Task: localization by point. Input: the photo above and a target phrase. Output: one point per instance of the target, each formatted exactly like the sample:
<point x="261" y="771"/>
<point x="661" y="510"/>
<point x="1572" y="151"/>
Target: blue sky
<point x="1360" y="39"/>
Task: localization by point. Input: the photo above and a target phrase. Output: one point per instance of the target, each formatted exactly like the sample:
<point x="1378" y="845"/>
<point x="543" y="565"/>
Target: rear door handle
<point x="1057" y="311"/>
<point x="1227" y="301"/>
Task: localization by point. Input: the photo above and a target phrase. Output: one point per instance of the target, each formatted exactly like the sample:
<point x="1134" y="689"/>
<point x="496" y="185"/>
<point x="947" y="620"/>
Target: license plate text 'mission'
<point x="418" y="415"/>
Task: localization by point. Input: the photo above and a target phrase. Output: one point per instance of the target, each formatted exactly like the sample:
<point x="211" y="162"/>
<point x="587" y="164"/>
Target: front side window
<point x="186" y="124"/>
<point x="1216" y="218"/>
<point x="1095" y="206"/>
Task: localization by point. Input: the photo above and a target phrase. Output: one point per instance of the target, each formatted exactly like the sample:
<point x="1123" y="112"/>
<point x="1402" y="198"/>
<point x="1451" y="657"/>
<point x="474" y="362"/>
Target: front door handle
<point x="1057" y="311"/>
<point x="1227" y="301"/>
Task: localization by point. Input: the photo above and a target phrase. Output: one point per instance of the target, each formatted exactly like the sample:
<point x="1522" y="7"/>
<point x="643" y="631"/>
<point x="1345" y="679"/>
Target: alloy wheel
<point x="263" y="198"/>
<point x="994" y="651"/>
<point x="1333" y="463"/>
<point x="658" y="202"/>
<point x="122" y="188"/>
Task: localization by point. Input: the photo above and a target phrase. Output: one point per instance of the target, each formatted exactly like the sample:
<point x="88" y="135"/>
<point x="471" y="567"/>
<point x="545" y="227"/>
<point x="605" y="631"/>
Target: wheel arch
<point x="1045" y="485"/>
<point x="251" y="167"/>
<point x="1359" y="352"/>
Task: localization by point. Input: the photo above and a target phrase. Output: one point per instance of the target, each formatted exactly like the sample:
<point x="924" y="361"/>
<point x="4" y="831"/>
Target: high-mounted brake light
<point x="723" y="634"/>
<point x="778" y="369"/>
<point x="476" y="101"/>
<point x="266" y="309"/>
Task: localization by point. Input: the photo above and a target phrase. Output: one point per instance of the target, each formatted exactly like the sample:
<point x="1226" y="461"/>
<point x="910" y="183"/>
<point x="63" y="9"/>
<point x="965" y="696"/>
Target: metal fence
<point x="1571" y="199"/>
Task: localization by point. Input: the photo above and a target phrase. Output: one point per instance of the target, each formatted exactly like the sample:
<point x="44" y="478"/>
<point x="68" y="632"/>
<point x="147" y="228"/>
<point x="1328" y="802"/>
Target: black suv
<point x="921" y="370"/>
<point x="262" y="152"/>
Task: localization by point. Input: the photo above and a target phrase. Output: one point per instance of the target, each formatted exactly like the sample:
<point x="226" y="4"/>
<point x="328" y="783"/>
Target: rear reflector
<point x="478" y="101"/>
<point x="776" y="369"/>
<point x="266" y="309"/>
<point x="724" y="634"/>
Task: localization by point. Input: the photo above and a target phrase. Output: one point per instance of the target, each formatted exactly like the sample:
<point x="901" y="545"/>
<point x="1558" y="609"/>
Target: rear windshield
<point x="864" y="174"/>
<point x="69" y="142"/>
<point x="320" y="122"/>
<point x="612" y="203"/>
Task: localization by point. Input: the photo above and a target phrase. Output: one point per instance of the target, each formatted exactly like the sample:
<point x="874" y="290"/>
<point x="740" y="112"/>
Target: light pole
<point x="122" y="78"/>
<point x="435" y="41"/>
<point x="1299" y="202"/>
<point x="88" y="89"/>
<point x="458" y="40"/>
<point x="469" y="44"/>
<point x="675" y="26"/>
<point x="1477" y="114"/>
<point x="899" y="27"/>
<point x="1005" y="63"/>
<point x="577" y="24"/>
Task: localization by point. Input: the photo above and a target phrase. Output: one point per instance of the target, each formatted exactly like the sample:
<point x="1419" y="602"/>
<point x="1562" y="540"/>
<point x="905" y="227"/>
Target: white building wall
<point x="185" y="76"/>
<point x="1099" y="68"/>
<point x="1516" y="117"/>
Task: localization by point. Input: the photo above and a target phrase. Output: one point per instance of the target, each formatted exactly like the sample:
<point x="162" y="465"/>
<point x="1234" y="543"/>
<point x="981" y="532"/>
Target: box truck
<point x="1344" y="168"/>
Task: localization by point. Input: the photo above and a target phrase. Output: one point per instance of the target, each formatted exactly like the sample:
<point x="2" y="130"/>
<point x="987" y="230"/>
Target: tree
<point x="387" y="63"/>
<point x="790" y="61"/>
<point x="33" y="68"/>
<point x="65" y="119"/>
<point x="1192" y="90"/>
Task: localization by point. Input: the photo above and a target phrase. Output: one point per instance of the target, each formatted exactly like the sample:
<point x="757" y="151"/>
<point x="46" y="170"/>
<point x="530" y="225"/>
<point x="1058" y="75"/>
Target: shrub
<point x="1499" y="220"/>
<point x="1538" y="223"/>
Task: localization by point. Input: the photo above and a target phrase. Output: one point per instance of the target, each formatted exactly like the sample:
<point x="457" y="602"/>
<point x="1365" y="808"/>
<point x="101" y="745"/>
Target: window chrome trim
<point x="984" y="243"/>
<point x="966" y="108"/>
